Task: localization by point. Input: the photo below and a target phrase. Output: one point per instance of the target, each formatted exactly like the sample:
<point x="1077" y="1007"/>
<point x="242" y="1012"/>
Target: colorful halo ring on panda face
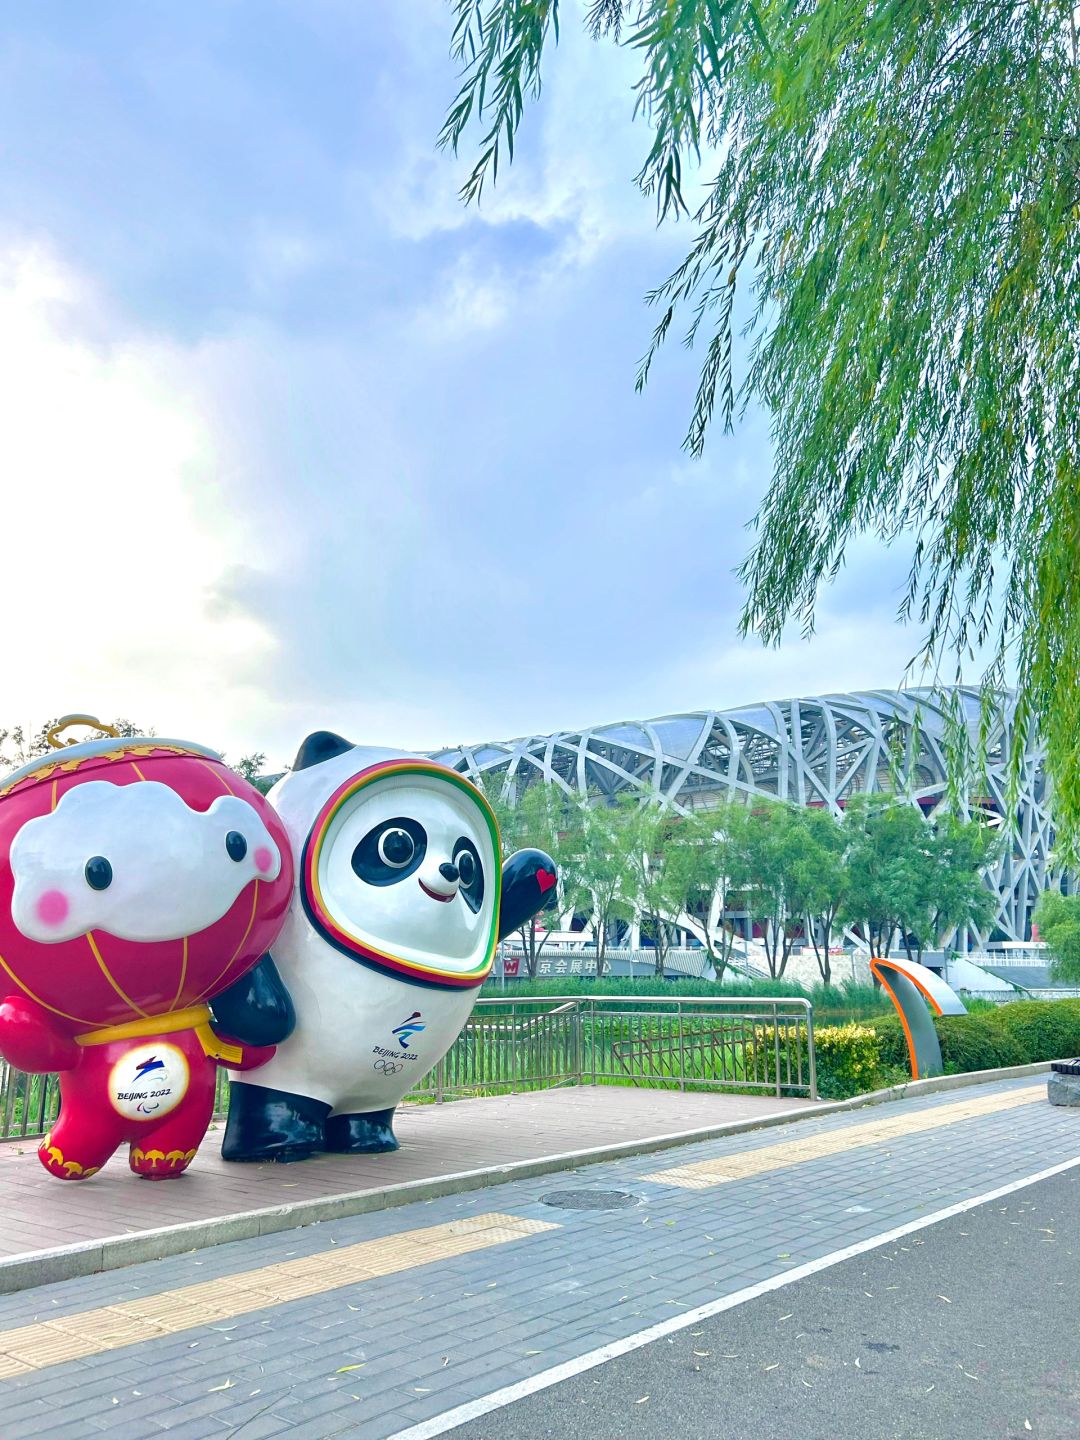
<point x="417" y="963"/>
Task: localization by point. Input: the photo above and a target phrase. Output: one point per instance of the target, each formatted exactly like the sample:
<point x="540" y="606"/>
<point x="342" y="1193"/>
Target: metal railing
<point x="508" y="1046"/>
<point x="1026" y="992"/>
<point x="710" y="1043"/>
<point x="28" y="1103"/>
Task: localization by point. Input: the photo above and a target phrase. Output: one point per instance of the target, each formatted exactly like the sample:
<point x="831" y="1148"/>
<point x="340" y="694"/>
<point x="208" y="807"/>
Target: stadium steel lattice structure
<point x="811" y="751"/>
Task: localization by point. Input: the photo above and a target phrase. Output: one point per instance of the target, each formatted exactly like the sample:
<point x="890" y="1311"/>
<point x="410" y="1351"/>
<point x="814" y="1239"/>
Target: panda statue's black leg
<point x="269" y="1124"/>
<point x="370" y="1134"/>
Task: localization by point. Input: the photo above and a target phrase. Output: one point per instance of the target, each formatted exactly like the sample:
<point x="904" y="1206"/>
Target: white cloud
<point x="470" y="301"/>
<point x="576" y="153"/>
<point x="114" y="528"/>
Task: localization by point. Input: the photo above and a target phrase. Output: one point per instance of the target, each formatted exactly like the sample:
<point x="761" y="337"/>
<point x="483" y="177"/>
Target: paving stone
<point x="324" y="1427"/>
<point x="26" y="1414"/>
<point x="205" y="1427"/>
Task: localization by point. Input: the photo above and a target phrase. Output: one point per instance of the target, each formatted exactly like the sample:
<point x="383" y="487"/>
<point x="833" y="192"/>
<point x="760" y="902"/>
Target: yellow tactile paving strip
<point x="73" y="1337"/>
<point x="749" y="1163"/>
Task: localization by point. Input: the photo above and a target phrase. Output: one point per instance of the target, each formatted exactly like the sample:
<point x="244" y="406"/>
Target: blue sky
<point x="296" y="441"/>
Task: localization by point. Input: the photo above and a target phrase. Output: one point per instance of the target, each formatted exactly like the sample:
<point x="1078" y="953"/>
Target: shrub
<point x="848" y="1060"/>
<point x="976" y="1042"/>
<point x="1042" y="1029"/>
<point x="767" y="1046"/>
<point x="1019" y="1033"/>
<point x="892" y="1043"/>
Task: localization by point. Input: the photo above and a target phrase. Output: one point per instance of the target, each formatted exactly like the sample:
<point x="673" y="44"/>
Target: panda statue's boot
<point x="370" y="1134"/>
<point x="267" y="1124"/>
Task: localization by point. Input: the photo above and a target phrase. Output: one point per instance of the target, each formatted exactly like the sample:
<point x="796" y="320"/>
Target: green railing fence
<point x="711" y="1043"/>
<point x="742" y="1044"/>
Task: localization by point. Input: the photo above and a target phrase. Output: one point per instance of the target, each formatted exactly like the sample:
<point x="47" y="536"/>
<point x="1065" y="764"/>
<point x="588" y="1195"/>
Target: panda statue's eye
<point x="396" y="848"/>
<point x="470" y="873"/>
<point x="98" y="873"/>
<point x="390" y="851"/>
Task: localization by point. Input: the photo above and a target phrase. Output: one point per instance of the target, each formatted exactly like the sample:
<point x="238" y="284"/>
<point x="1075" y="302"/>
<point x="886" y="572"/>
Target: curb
<point x="91" y="1257"/>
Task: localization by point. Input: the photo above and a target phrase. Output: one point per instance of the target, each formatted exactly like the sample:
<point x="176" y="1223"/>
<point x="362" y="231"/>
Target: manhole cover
<point x="590" y="1199"/>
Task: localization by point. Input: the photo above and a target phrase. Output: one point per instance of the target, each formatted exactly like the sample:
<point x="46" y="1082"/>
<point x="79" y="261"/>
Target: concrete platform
<point x="40" y="1216"/>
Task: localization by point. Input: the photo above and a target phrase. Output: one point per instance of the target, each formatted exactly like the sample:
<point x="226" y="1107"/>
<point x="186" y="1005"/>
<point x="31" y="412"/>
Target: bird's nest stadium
<point x="816" y="750"/>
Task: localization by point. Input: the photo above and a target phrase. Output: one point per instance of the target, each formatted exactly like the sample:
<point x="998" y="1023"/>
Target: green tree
<point x="600" y="838"/>
<point x="954" y="890"/>
<point x="662" y="859"/>
<point x="895" y="188"/>
<point x="921" y="878"/>
<point x="820" y="881"/>
<point x="1058" y="918"/>
<point x="883" y="862"/>
<point x="250" y="768"/>
<point x="719" y="876"/>
<point x="19" y="745"/>
<point x="776" y="889"/>
<point x="534" y="816"/>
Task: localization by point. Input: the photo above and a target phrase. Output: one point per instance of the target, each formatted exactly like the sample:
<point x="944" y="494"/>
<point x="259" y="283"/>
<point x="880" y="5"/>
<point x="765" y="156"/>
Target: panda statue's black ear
<point x="322" y="745"/>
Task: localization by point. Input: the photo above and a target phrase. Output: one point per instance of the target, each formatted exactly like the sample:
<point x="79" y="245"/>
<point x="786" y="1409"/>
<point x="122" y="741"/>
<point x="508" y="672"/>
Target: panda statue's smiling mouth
<point x="442" y="899"/>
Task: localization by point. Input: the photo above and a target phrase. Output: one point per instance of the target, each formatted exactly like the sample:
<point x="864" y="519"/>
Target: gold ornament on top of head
<point x="66" y="721"/>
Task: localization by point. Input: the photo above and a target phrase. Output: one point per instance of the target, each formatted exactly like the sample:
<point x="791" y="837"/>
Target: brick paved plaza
<point x="437" y="1140"/>
<point x="370" y="1325"/>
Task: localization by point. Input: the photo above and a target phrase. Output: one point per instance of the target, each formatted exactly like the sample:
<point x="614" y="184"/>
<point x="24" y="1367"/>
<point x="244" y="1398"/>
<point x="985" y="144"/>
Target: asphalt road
<point x="968" y="1330"/>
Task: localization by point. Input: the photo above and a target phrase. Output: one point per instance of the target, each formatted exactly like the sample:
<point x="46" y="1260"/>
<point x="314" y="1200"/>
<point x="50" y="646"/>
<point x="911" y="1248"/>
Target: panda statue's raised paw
<point x="400" y="900"/>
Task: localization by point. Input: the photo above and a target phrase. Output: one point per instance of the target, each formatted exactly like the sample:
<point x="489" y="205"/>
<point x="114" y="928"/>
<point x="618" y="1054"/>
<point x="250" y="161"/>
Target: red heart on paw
<point x="546" y="880"/>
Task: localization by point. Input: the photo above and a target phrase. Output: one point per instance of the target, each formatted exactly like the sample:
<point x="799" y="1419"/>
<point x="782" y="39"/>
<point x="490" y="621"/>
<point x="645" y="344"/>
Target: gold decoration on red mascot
<point x="65" y="723"/>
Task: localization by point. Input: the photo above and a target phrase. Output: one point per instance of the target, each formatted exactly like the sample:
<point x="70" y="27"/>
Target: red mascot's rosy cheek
<point x="52" y="908"/>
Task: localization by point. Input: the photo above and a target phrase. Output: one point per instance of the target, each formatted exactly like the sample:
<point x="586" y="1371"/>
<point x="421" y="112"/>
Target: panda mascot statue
<point x="400" y="898"/>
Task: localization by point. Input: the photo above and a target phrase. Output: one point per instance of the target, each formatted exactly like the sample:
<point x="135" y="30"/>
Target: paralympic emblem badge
<point x="149" y="1081"/>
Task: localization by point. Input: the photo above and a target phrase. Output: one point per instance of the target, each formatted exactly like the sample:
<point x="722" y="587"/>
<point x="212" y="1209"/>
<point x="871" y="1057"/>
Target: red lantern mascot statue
<point x="142" y="883"/>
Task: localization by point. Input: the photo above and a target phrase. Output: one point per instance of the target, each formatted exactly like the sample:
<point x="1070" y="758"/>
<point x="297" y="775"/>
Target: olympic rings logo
<point x="387" y="1067"/>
